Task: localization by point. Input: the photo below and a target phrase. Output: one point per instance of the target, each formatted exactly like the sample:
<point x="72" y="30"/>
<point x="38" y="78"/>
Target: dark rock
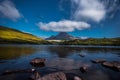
<point x="54" y="76"/>
<point x="112" y="65"/>
<point x="19" y="71"/>
<point x="38" y="62"/>
<point x="98" y="61"/>
<point x="83" y="69"/>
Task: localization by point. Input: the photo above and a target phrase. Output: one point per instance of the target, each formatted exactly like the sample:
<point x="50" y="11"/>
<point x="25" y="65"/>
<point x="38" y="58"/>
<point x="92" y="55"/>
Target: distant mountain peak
<point x="62" y="36"/>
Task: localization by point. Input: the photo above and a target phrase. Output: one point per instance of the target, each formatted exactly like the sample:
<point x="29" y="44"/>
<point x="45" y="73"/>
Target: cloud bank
<point x="88" y="9"/>
<point x="63" y="26"/>
<point x="94" y="10"/>
<point x="8" y="9"/>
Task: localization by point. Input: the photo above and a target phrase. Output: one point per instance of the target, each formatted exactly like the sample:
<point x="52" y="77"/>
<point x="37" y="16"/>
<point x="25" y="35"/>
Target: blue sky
<point x="43" y="18"/>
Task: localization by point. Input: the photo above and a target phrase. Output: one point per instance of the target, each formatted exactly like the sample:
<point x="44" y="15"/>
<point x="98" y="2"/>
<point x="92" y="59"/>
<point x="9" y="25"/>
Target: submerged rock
<point x="19" y="71"/>
<point x="38" y="62"/>
<point x="115" y="65"/>
<point x="98" y="61"/>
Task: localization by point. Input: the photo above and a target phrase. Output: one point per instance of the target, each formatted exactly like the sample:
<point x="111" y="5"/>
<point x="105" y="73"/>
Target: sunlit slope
<point x="14" y="36"/>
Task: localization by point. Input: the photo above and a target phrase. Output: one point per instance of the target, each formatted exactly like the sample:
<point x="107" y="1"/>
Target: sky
<point x="81" y="18"/>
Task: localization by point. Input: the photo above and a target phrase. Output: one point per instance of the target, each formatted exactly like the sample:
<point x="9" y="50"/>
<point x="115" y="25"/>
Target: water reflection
<point x="16" y="51"/>
<point x="13" y="52"/>
<point x="64" y="51"/>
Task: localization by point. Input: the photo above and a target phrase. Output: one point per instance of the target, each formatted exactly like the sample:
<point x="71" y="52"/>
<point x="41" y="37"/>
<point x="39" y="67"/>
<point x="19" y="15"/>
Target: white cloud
<point x="88" y="9"/>
<point x="63" y="26"/>
<point x="8" y="9"/>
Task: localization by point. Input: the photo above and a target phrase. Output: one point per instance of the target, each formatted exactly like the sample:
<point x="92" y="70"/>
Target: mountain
<point x="62" y="36"/>
<point x="9" y="35"/>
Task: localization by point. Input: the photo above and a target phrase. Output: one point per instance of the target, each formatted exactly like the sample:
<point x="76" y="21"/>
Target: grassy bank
<point x="94" y="41"/>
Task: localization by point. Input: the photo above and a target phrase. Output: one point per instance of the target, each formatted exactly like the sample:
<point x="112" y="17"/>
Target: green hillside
<point x="9" y="35"/>
<point x="94" y="41"/>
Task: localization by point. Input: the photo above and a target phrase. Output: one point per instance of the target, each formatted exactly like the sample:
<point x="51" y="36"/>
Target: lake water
<point x="59" y="58"/>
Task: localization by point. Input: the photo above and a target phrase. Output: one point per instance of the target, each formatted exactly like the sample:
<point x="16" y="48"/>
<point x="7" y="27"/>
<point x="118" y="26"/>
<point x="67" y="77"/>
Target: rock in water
<point x="54" y="76"/>
<point x="98" y="61"/>
<point x="38" y="62"/>
<point x="112" y="65"/>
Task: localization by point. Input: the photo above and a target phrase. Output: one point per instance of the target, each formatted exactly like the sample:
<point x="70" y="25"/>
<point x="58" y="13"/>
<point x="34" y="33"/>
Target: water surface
<point x="59" y="58"/>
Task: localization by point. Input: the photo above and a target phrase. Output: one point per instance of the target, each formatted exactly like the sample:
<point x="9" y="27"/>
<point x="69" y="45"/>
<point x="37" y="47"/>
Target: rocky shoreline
<point x="61" y="75"/>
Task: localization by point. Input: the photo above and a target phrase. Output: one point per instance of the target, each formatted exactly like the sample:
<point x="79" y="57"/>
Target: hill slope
<point x="9" y="35"/>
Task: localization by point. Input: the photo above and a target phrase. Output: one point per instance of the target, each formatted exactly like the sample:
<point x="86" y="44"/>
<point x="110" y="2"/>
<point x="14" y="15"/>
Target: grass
<point x="9" y="35"/>
<point x="94" y="41"/>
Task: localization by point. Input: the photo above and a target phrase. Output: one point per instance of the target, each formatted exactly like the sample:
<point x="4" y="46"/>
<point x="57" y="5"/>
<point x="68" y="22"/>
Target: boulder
<point x="54" y="76"/>
<point x="38" y="62"/>
<point x="115" y="65"/>
<point x="98" y="61"/>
